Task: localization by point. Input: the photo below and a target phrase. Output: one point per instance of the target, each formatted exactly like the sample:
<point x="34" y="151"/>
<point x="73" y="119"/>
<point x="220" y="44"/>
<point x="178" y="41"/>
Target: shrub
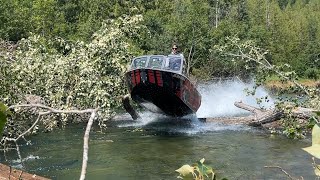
<point x="312" y="73"/>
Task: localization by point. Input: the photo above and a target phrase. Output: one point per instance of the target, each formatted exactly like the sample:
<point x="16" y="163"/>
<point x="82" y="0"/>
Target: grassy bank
<point x="274" y="83"/>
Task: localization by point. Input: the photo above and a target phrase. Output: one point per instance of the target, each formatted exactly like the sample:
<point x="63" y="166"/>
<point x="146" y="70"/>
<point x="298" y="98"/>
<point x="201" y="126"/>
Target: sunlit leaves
<point x="186" y="172"/>
<point x="314" y="150"/>
<point x="198" y="171"/>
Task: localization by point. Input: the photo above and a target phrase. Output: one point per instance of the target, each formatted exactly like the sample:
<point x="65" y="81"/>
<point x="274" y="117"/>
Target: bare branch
<point x="27" y="131"/>
<point x="86" y="146"/>
<point x="289" y="176"/>
<point x="52" y="110"/>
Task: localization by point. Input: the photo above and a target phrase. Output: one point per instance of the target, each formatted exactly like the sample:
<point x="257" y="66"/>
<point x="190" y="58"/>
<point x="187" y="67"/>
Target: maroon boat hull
<point x="172" y="93"/>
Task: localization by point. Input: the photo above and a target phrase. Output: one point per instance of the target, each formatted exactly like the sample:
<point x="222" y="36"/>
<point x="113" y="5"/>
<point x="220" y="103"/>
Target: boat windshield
<point x="139" y="62"/>
<point x="170" y="62"/>
<point x="174" y="63"/>
<point x="155" y="62"/>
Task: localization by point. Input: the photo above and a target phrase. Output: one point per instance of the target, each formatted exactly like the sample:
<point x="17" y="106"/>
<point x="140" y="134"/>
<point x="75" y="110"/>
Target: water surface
<point x="155" y="149"/>
<point x="156" y="146"/>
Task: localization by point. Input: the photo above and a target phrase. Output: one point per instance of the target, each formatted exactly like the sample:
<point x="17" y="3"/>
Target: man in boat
<point x="176" y="50"/>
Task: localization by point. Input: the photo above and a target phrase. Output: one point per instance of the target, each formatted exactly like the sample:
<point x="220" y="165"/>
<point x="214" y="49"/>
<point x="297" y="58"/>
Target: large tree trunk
<point x="259" y="116"/>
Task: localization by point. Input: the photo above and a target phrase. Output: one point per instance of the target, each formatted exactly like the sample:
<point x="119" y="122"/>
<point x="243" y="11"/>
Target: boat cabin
<point x="172" y="63"/>
<point x="161" y="84"/>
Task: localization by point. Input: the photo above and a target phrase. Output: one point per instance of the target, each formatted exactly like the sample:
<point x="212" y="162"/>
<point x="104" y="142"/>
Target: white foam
<point x="218" y="98"/>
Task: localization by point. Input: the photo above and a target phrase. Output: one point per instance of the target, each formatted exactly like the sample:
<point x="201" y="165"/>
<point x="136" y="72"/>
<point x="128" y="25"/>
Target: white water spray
<point x="218" y="98"/>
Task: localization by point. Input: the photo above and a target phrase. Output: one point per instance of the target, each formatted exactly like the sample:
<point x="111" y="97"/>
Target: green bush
<point x="312" y="73"/>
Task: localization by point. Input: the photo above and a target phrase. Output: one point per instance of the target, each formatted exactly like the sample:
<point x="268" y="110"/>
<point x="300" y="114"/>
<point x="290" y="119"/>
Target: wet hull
<point x="169" y="93"/>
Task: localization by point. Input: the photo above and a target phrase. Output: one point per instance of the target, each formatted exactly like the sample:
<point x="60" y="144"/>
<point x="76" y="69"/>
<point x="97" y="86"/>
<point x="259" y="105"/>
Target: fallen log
<point x="127" y="106"/>
<point x="259" y="116"/>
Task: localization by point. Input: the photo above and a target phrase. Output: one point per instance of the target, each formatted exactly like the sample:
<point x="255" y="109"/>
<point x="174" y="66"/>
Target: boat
<point x="160" y="84"/>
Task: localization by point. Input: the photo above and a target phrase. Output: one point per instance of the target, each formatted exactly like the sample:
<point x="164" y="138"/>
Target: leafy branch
<point x="258" y="61"/>
<point x="248" y="52"/>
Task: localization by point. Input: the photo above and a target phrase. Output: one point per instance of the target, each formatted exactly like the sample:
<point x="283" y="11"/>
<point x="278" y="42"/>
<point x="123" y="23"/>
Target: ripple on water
<point x="185" y="125"/>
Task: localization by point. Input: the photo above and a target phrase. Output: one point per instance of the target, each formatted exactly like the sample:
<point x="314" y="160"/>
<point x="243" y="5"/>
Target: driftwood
<point x="259" y="116"/>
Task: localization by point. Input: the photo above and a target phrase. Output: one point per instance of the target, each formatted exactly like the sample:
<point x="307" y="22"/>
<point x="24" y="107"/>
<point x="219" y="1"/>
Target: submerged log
<point x="7" y="172"/>
<point x="127" y="106"/>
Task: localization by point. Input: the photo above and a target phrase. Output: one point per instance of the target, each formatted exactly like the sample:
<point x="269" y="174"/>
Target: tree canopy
<point x="289" y="29"/>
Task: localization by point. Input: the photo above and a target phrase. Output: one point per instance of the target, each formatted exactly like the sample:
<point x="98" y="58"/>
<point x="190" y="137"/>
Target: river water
<point x="154" y="147"/>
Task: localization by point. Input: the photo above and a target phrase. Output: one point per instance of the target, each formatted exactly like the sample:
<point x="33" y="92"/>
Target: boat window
<point x="175" y="63"/>
<point x="139" y="62"/>
<point x="155" y="62"/>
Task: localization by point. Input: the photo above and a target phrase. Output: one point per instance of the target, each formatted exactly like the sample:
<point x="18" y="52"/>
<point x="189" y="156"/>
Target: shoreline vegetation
<point x="276" y="85"/>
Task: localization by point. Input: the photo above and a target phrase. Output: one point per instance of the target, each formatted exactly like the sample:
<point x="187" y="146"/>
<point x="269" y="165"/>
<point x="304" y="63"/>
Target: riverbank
<point x="7" y="172"/>
<point x="276" y="85"/>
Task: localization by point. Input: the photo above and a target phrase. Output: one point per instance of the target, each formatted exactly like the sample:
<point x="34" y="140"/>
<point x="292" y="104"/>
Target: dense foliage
<point x="289" y="29"/>
<point x="71" y="75"/>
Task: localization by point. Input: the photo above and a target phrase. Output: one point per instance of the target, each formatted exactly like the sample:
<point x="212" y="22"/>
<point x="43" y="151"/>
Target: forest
<point x="287" y="29"/>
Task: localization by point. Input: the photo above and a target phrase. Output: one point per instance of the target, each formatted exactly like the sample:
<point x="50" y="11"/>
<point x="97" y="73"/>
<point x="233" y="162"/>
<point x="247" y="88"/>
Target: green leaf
<point x="203" y="169"/>
<point x="314" y="150"/>
<point x="3" y="117"/>
<point x="3" y="108"/>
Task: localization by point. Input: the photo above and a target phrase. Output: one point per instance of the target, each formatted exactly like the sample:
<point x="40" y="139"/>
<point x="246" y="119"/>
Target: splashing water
<point x="218" y="98"/>
<point x="161" y="124"/>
